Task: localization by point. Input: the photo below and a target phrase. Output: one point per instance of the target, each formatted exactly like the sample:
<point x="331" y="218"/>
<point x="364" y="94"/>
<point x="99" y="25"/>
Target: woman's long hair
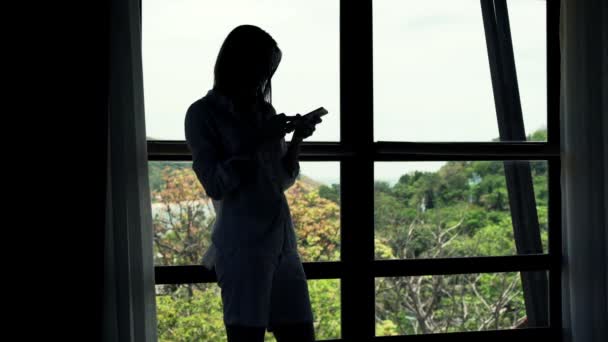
<point x="246" y="62"/>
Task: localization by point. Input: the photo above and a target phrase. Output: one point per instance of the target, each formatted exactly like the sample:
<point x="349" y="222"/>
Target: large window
<point x="428" y="200"/>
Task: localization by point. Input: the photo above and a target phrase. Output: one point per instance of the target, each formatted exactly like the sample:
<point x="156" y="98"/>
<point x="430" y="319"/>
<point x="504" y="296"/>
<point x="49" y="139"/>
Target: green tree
<point x="331" y="193"/>
<point x="182" y="218"/>
<point x="316" y="221"/>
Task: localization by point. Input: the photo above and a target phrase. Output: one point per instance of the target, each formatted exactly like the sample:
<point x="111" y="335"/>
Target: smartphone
<point x="318" y="112"/>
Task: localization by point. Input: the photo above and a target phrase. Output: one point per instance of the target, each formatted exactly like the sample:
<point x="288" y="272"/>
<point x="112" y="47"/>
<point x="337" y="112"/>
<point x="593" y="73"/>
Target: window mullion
<point x="553" y="137"/>
<point x="357" y="171"/>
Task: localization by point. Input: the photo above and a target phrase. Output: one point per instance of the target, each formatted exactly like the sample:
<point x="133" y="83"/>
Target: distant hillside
<point x="155" y="169"/>
<point x="309" y="181"/>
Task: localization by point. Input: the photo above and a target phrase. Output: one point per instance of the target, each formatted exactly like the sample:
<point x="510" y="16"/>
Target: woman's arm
<point x="290" y="162"/>
<point x="303" y="129"/>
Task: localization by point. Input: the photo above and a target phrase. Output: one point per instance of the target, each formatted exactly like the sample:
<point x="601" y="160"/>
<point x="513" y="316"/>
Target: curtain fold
<point x="584" y="139"/>
<point x="129" y="296"/>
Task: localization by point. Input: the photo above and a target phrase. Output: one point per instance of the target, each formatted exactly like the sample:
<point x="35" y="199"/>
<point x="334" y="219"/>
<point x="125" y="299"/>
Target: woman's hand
<point x="305" y="126"/>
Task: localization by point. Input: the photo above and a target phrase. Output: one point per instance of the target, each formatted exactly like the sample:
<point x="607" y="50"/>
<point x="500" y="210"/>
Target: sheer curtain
<point x="129" y="302"/>
<point x="584" y="138"/>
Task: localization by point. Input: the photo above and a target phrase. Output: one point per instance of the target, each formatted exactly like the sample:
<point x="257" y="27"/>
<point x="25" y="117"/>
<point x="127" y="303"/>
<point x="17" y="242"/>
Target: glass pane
<point x="449" y="209"/>
<point x="431" y="71"/>
<point x="193" y="312"/>
<point x="449" y="303"/>
<point x="181" y="40"/>
<point x="314" y="202"/>
<point x="183" y="214"/>
<point x="190" y="312"/>
<point x="325" y="301"/>
<point x="528" y="32"/>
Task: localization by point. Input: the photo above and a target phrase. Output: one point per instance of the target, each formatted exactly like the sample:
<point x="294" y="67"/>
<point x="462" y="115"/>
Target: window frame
<point x="357" y="269"/>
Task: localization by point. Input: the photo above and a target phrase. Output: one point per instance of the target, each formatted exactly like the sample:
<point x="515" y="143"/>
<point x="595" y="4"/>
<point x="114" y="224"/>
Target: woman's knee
<point x="295" y="332"/>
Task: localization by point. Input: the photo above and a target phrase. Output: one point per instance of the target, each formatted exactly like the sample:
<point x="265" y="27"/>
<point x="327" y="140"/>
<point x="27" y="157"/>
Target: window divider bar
<point x="357" y="171"/>
<point x="381" y="268"/>
<point x="553" y="136"/>
<point x="389" y="150"/>
<point x="555" y="244"/>
<point x="189" y="274"/>
<point x="553" y="73"/>
<point x="464" y="265"/>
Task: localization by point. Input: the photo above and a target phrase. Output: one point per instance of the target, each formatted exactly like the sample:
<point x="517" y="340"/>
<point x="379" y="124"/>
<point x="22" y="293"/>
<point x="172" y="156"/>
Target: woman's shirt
<point x="252" y="214"/>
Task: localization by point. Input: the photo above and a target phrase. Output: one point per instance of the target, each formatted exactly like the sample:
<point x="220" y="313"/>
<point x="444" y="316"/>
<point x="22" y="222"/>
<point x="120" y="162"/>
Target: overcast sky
<point x="431" y="73"/>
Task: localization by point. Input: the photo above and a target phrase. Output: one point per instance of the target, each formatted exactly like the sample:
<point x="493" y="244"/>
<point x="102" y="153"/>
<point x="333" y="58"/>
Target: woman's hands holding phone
<point x="278" y="125"/>
<point x="302" y="126"/>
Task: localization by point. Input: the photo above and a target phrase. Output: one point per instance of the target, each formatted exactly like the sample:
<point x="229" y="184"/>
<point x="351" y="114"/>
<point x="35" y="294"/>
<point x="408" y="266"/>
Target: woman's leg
<point x="241" y="333"/>
<point x="294" y="332"/>
<point x="245" y="281"/>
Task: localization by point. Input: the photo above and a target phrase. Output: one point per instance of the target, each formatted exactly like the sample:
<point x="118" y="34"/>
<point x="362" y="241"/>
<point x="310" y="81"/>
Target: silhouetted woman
<point x="241" y="158"/>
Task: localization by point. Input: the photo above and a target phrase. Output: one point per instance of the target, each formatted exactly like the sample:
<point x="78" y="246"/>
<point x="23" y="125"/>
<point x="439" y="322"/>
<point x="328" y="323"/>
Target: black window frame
<point x="357" y="269"/>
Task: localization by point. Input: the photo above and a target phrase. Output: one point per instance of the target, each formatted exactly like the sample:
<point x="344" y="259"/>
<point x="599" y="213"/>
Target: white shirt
<point x="252" y="214"/>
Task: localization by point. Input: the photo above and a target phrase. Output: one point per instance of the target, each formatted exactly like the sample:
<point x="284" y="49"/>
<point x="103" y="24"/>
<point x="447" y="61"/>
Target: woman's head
<point x="246" y="62"/>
